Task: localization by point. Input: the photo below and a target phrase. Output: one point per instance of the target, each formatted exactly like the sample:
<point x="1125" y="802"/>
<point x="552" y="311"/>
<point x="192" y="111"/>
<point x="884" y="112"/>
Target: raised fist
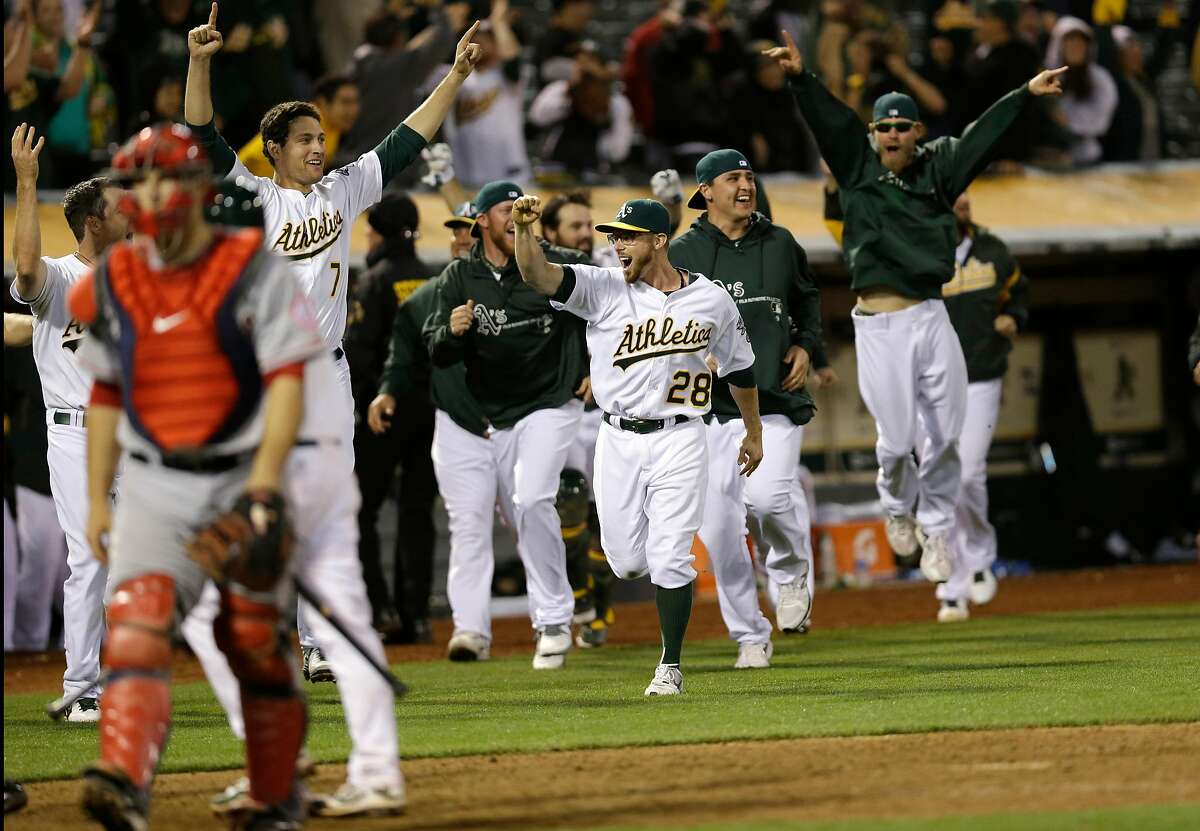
<point x="526" y="210"/>
<point x="205" y="41"/>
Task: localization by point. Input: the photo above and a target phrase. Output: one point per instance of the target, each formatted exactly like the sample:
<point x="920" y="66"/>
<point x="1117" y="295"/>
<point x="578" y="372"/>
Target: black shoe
<point x="14" y="796"/>
<point x="113" y="801"/>
<point x="264" y="818"/>
<point x="387" y="623"/>
<point x="422" y="630"/>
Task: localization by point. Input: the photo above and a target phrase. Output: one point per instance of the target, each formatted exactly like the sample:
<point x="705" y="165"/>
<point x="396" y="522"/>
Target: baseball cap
<point x="895" y="105"/>
<point x="712" y="166"/>
<point x="646" y="216"/>
<point x="491" y="195"/>
<point x="464" y="216"/>
<point x="1006" y="10"/>
<point x="394" y="214"/>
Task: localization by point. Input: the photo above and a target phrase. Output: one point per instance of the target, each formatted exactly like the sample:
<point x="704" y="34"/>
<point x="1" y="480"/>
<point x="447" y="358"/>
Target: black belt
<point x="338" y="354"/>
<point x="65" y="418"/>
<point x="194" y="463"/>
<point x="643" y="425"/>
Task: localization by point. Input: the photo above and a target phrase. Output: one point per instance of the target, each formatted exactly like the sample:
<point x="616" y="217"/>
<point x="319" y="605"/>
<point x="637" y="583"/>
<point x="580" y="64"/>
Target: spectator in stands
<point x="391" y="69"/>
<point x="336" y="98"/>
<point x="1089" y="92"/>
<point x="764" y="110"/>
<point x="567" y="222"/>
<point x="486" y="128"/>
<point x="166" y="103"/>
<point x="695" y="68"/>
<point x="587" y="125"/>
<point x="554" y="51"/>
<point x="1032" y="26"/>
<point x="1138" y="131"/>
<point x="842" y="21"/>
<point x="878" y="66"/>
<point x="52" y="93"/>
<point x="637" y="75"/>
<point x="1001" y="62"/>
<point x="944" y="69"/>
<point x="341" y="25"/>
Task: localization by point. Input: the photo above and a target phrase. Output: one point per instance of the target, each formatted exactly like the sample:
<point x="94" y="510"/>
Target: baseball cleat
<point x="552" y="645"/>
<point x="937" y="558"/>
<point x="953" y="611"/>
<point x="668" y="680"/>
<point x="983" y="587"/>
<point x="592" y="635"/>
<point x="259" y="817"/>
<point x="794" y="605"/>
<point x="468" y="646"/>
<point x="84" y="711"/>
<point x="14" y="796"/>
<point x="316" y="669"/>
<point x="113" y="801"/>
<point x="353" y="801"/>
<point x="585" y="607"/>
<point x="754" y="655"/>
<point x="902" y="535"/>
<point x="236" y="797"/>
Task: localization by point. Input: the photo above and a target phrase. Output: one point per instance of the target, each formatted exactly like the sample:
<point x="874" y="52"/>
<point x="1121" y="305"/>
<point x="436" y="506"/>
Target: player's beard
<point x="634" y="270"/>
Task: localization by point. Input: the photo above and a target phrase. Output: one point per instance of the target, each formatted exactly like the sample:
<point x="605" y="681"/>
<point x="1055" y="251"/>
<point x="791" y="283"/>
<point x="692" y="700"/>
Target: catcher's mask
<point x="165" y="151"/>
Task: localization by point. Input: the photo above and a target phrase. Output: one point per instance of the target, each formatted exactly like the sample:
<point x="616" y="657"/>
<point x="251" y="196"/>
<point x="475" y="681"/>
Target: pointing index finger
<point x="788" y="42"/>
<point x="212" y="16"/>
<point x="470" y="33"/>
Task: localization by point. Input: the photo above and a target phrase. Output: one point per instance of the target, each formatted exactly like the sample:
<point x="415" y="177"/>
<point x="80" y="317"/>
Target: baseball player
<point x="766" y="274"/>
<point x="650" y="327"/>
<point x="43" y="283"/>
<point x="987" y="303"/>
<point x="525" y="365"/>
<point x="899" y="244"/>
<point x="460" y="230"/>
<point x="197" y="344"/>
<point x="308" y="216"/>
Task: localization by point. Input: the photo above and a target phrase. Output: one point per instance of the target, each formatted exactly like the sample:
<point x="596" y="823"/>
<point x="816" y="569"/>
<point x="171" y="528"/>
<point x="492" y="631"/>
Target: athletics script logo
<point x="490" y="322"/>
<point x="309" y="237"/>
<point x="649" y="340"/>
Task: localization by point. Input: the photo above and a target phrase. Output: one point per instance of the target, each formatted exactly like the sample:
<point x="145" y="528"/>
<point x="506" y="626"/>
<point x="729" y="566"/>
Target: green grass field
<point x="1136" y="665"/>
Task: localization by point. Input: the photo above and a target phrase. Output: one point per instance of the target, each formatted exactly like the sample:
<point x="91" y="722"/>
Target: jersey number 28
<point x="701" y="386"/>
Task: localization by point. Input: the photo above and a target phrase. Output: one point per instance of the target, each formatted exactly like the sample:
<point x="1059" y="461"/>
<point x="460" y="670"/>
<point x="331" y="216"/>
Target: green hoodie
<point x="767" y="274"/>
<point x="522" y="354"/>
<point x="900" y="230"/>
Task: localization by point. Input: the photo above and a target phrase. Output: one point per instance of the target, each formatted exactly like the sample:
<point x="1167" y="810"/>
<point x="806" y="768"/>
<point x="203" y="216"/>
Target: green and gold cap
<point x="491" y="195"/>
<point x="646" y="216"/>
<point x="712" y="166"/>
<point x="464" y="216"/>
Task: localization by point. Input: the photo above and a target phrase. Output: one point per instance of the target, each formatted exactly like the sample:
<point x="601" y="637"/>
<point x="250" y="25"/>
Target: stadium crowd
<point x="560" y="96"/>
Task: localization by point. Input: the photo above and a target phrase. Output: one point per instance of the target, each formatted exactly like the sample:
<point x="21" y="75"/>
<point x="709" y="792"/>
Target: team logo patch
<point x="72" y="336"/>
<point x="488" y="321"/>
<point x="309" y="237"/>
<point x="650" y="340"/>
<point x="625" y="211"/>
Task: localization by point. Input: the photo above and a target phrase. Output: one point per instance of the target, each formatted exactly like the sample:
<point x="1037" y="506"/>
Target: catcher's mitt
<point x="249" y="545"/>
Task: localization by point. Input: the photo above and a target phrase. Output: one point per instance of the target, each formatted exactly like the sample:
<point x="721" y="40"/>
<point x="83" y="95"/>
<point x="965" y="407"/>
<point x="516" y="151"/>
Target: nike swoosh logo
<point x="166" y="324"/>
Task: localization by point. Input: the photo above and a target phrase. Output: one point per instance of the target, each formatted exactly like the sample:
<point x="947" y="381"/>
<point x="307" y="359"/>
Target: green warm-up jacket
<point x="900" y="230"/>
<point x="766" y="273"/>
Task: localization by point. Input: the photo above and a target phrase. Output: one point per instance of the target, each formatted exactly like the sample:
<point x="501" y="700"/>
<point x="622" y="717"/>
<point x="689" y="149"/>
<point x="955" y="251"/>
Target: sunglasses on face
<point x="899" y="126"/>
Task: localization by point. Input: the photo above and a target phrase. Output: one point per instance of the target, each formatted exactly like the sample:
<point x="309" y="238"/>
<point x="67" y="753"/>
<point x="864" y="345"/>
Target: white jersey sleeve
<point x="361" y="183"/>
<point x="730" y="346"/>
<point x="593" y="291"/>
<point x="52" y="296"/>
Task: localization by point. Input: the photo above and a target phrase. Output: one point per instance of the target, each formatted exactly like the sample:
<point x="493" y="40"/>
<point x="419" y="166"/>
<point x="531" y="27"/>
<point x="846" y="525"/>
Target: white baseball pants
<point x="341" y="408"/>
<point x="323" y="498"/>
<point x="910" y="362"/>
<point x="773" y="501"/>
<point x="582" y="455"/>
<point x="973" y="536"/>
<point x="43" y="569"/>
<point x="530" y="457"/>
<point x="650" y="491"/>
<point x="83" y="592"/>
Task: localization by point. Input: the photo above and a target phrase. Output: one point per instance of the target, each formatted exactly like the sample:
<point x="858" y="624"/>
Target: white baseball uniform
<point x="311" y="232"/>
<point x="66" y="389"/>
<point x="647" y="352"/>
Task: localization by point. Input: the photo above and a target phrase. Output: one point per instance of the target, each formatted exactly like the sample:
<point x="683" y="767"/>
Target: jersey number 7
<point x="701" y="385"/>
<point x="337" y="276"/>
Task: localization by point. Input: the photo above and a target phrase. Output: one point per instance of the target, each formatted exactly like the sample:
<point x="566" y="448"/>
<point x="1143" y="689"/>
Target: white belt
<point x="74" y="418"/>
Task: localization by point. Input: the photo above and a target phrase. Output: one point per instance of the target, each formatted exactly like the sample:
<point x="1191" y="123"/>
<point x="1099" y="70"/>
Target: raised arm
<point x="427" y="119"/>
<point x="839" y="133"/>
<point x="27" y="230"/>
<point x="18" y="329"/>
<point x="81" y="55"/>
<point x="536" y="270"/>
<point x="204" y="42"/>
<point x="960" y="160"/>
<point x="18" y="47"/>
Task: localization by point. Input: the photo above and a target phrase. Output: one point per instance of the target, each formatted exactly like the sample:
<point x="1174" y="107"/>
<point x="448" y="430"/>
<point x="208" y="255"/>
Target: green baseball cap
<point x="464" y="216"/>
<point x="491" y="195"/>
<point x="712" y="166"/>
<point x="895" y="105"/>
<point x="646" y="216"/>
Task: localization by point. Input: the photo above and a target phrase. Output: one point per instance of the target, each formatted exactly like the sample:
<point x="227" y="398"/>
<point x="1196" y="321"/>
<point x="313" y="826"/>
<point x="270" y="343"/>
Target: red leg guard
<point x="247" y="631"/>
<point x="135" y="709"/>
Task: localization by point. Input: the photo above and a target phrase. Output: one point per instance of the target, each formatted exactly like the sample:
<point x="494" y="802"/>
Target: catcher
<point x="199" y="341"/>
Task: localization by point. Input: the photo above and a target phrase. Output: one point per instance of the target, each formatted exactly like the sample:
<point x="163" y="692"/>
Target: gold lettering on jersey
<point x="973" y="276"/>
<point x="404" y="288"/>
<point x="309" y="237"/>
<point x="648" y="341"/>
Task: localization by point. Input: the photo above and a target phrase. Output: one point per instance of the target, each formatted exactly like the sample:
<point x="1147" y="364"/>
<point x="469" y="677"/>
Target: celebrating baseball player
<point x="308" y="216"/>
<point x="43" y="283"/>
<point x="197" y="345"/>
<point x="767" y="275"/>
<point x="899" y="241"/>
<point x="650" y="327"/>
<point x="526" y="364"/>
